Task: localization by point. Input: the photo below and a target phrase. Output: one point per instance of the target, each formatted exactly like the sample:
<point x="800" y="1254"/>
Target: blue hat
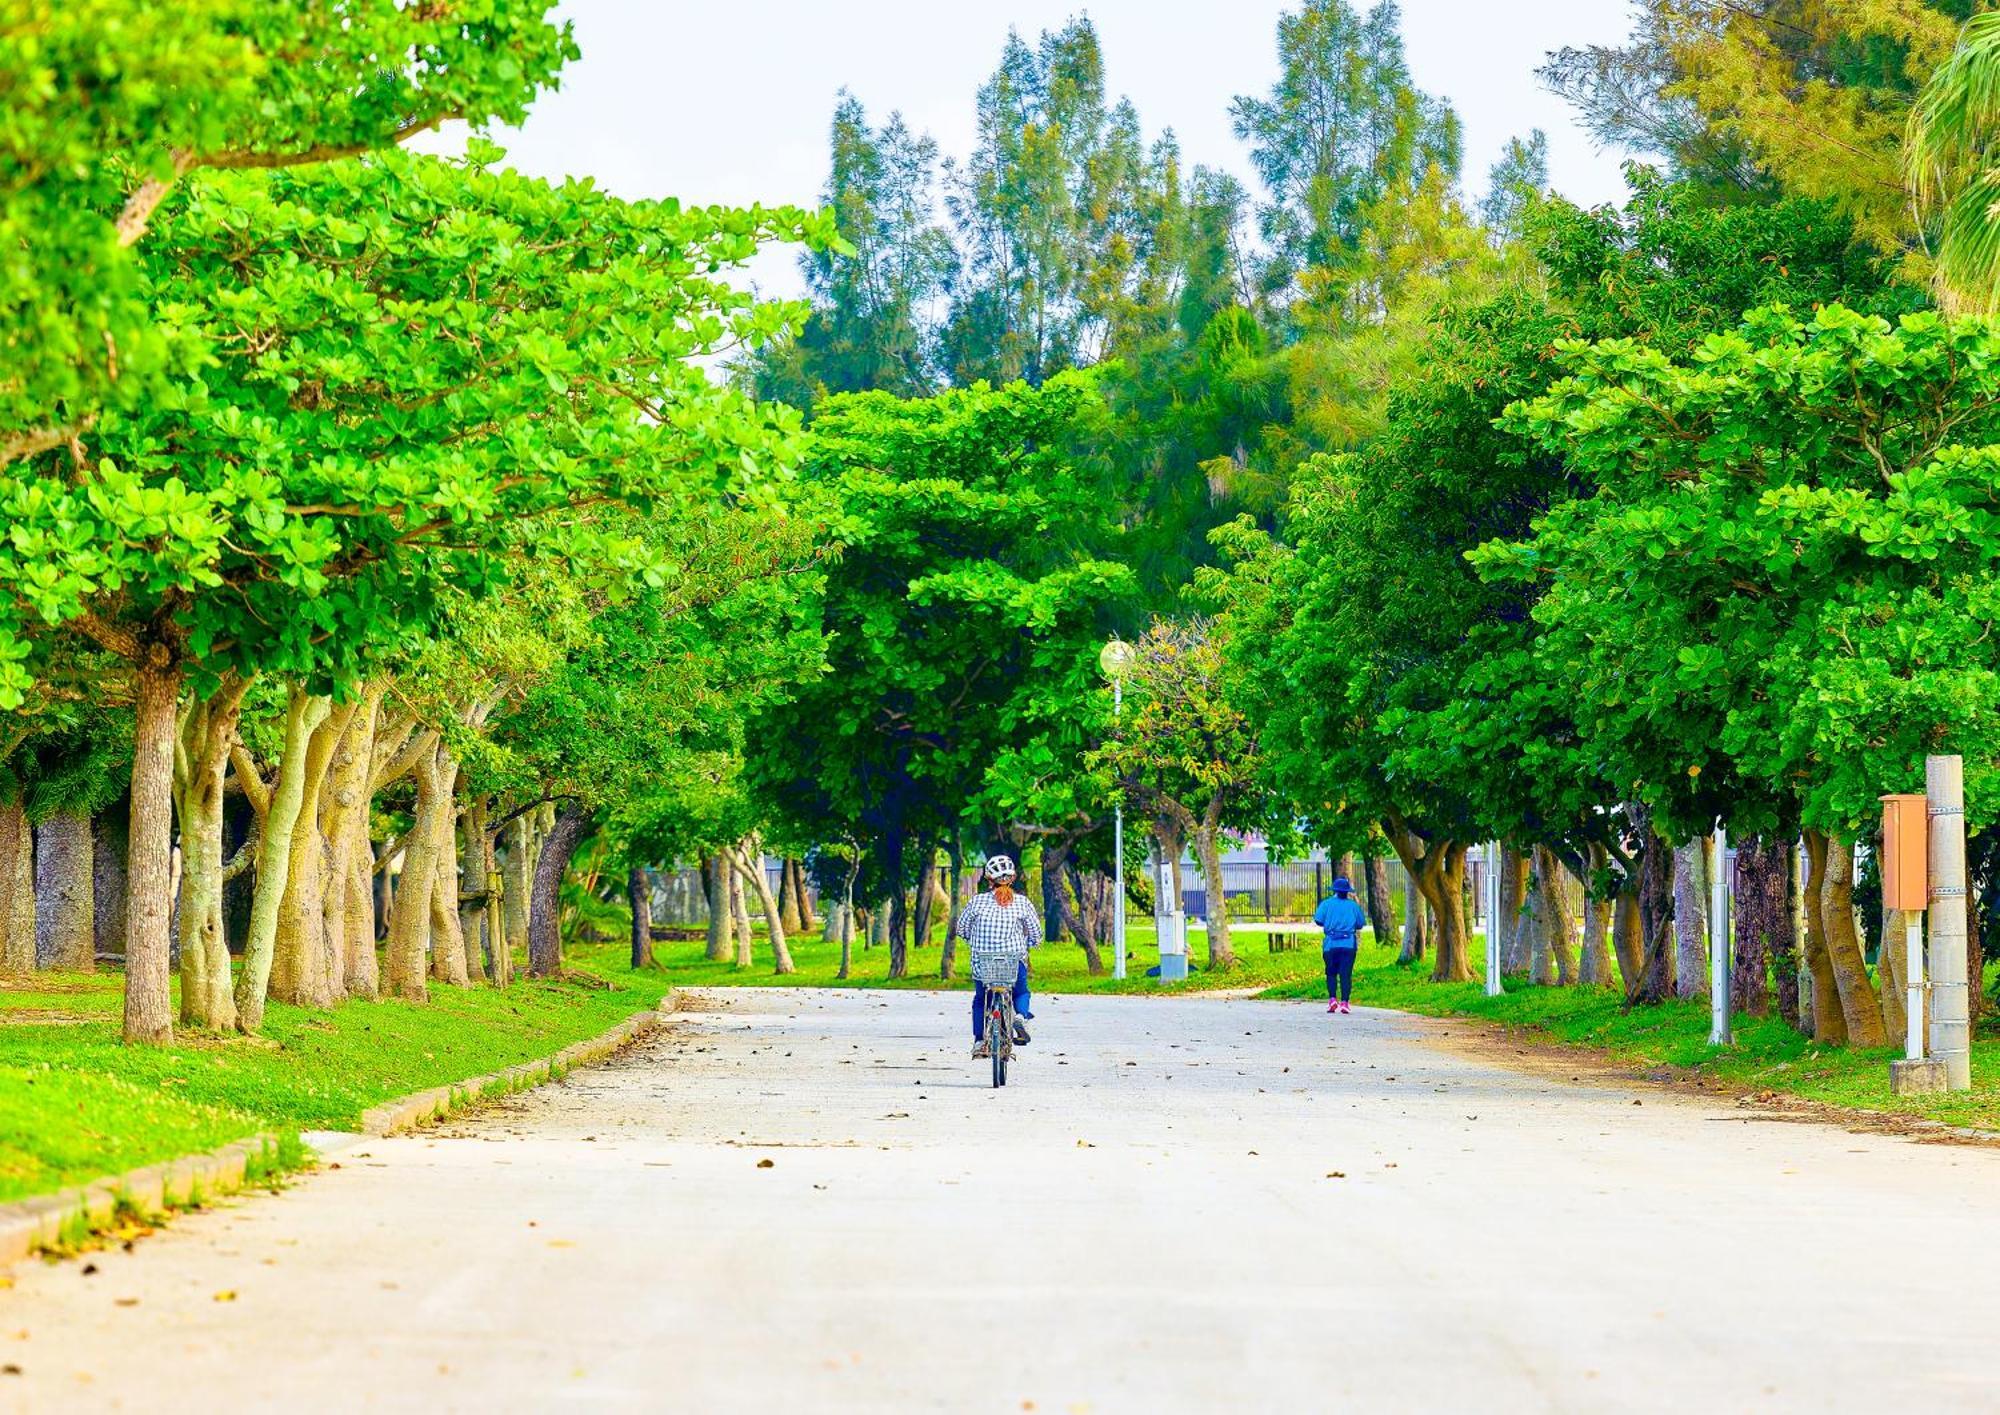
<point x="1342" y="885"/>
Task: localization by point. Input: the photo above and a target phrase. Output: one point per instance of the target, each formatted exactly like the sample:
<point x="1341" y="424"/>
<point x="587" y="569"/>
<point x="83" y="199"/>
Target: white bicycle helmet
<point x="1000" y="867"/>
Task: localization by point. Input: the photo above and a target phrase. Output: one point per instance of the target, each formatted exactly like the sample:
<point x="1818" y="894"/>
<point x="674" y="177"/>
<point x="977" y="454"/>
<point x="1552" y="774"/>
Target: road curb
<point x="46" y="1221"/>
<point x="49" y="1221"/>
<point x="423" y="1107"/>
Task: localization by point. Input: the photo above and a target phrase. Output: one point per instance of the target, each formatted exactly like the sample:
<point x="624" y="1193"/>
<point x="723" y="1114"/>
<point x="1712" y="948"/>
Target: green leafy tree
<point x="964" y="612"/>
<point x="109" y="109"/>
<point x="413" y="363"/>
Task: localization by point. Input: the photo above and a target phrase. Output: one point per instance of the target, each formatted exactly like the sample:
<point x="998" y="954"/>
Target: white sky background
<point x="729" y="102"/>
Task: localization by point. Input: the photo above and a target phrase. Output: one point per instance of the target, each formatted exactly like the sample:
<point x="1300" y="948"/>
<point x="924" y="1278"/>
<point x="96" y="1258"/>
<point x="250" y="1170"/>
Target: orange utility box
<point x="1906" y="848"/>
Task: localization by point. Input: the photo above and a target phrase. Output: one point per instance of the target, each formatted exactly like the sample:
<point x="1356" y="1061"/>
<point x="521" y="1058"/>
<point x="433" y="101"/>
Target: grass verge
<point x="77" y="1105"/>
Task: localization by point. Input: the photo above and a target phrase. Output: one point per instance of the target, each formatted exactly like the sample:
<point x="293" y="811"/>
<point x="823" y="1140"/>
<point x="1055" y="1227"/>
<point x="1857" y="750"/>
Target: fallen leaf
<point x="228" y="1294"/>
<point x="561" y="1243"/>
<point x="766" y="1164"/>
<point x="1336" y="1174"/>
<point x="90" y="1270"/>
<point x="125" y="1301"/>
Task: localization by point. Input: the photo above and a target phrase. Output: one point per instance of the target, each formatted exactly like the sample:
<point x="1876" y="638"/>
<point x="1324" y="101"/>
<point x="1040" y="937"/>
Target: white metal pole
<point x="1118" y="854"/>
<point x="1493" y="988"/>
<point x="1944" y="781"/>
<point x="1718" y="943"/>
<point x="1913" y="1019"/>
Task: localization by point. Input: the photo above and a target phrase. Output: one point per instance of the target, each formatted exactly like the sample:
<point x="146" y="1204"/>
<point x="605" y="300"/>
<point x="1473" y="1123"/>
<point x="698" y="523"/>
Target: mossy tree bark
<point x="1513" y="924"/>
<point x="545" y="954"/>
<point x="304" y="712"/>
<point x="639" y="895"/>
<point x="1861" y="1009"/>
<point x="1829" y="1021"/>
<point x="17" y="890"/>
<point x="65" y="893"/>
<point x="1381" y="905"/>
<point x="1441" y="880"/>
<point x="1593" y="964"/>
<point x="207" y="734"/>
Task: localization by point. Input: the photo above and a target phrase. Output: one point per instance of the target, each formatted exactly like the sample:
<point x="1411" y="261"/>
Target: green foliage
<point x="963" y="614"/>
<point x="403" y="366"/>
<point x="108" y="104"/>
<point x="1781" y="575"/>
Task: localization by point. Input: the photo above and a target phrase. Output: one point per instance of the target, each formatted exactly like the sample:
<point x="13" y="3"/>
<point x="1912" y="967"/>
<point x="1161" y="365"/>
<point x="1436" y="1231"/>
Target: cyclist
<point x="1341" y="920"/>
<point x="999" y="923"/>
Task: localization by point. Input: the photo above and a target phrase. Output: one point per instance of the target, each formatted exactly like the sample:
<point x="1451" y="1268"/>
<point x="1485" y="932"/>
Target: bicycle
<point x="998" y="973"/>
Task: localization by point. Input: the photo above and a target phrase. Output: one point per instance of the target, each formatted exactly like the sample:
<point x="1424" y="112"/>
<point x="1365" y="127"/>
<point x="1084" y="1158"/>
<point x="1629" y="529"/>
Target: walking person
<point x="999" y="923"/>
<point x="1340" y="920"/>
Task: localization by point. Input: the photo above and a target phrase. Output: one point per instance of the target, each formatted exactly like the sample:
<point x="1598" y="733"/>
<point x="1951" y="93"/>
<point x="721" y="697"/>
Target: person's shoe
<point x="1332" y="1006"/>
<point x="1025" y="1016"/>
<point x="1345" y="1008"/>
<point x="980" y="1051"/>
<point x="1020" y="1035"/>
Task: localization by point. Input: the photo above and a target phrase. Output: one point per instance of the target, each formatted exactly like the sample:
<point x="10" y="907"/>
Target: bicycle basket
<point x="996" y="969"/>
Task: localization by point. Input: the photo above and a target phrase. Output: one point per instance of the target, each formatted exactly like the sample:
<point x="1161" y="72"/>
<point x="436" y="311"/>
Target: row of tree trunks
<point x="1552" y="957"/>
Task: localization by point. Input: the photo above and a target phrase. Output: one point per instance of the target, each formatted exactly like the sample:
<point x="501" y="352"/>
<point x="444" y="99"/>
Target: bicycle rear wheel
<point x="996" y="1042"/>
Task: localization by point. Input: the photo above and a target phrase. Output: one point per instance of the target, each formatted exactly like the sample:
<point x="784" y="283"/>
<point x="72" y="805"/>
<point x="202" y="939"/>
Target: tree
<point x="1779" y="561"/>
<point x="1188" y="757"/>
<point x="877" y="298"/>
<point x="415" y="364"/>
<point x="1341" y="125"/>
<point x="968" y="583"/>
<point x="1948" y="160"/>
<point x="106" y="116"/>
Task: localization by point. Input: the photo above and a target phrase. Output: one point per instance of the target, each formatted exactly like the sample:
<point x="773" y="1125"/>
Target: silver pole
<point x="1493" y="988"/>
<point x="1944" y="779"/>
<point x="1718" y="944"/>
<point x="1118" y="855"/>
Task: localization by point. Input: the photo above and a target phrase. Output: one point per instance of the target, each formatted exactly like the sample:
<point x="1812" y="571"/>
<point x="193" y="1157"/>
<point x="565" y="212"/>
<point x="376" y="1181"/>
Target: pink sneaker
<point x="1333" y="1006"/>
<point x="1345" y="1008"/>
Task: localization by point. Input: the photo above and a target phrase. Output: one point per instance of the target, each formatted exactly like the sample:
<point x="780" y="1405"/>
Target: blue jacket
<point x="1343" y="920"/>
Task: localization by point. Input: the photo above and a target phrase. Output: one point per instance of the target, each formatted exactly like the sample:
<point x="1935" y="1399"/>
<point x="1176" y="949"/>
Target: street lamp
<point x="1116" y="661"/>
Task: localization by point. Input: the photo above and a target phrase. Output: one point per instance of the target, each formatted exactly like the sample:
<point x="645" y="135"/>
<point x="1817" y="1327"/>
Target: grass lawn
<point x="1767" y="1056"/>
<point x="76" y="1104"/>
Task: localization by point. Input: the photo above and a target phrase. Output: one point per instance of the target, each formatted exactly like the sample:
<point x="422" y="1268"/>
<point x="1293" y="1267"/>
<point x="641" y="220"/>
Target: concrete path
<point x="800" y="1201"/>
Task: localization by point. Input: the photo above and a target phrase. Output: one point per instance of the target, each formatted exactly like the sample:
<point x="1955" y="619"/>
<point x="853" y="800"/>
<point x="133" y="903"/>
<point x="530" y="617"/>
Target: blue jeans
<point x="979" y="1002"/>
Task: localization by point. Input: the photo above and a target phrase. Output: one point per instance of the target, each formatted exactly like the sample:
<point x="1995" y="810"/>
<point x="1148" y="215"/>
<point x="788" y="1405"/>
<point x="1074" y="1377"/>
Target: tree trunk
<point x="1085" y="922"/>
<point x="453" y="961"/>
<point x="520" y="868"/>
<point x="789" y="912"/>
<point x="17" y="891"/>
<point x="350" y="888"/>
<point x="1593" y="969"/>
<point x="1763" y="922"/>
<point x="1441" y="881"/>
<point x="1829" y="1021"/>
<point x="947" y="953"/>
<point x="1690" y="909"/>
<point x="410" y="916"/>
<point x="1656" y="913"/>
<point x="149" y="901"/>
<point x="210" y="732"/>
<point x="303" y="714"/>
<point x="1552" y="960"/>
<point x="749" y="858"/>
<point x="66" y="895"/>
<point x="545" y="953"/>
<point x="1628" y="937"/>
<point x="924" y="896"/>
<point x="1513" y="937"/>
<point x="1416" y="921"/>
<point x="721" y="924"/>
<point x="1381" y="907"/>
<point x="1054" y="916"/>
<point x="1894" y="956"/>
<point x="739" y="914"/>
<point x="1208" y="844"/>
<point x="639" y="895"/>
<point x="1861" y="1009"/>
<point x="108" y="886"/>
<point x="899" y="937"/>
<point x="299" y="968"/>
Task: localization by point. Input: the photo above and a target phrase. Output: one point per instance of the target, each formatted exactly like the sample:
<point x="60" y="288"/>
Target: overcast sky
<point x="729" y="102"/>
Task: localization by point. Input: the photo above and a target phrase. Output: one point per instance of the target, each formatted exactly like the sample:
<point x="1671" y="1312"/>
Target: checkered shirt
<point x="992" y="930"/>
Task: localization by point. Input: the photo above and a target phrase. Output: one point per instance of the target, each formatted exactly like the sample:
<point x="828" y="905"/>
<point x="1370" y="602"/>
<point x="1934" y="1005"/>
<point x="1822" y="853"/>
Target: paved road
<point x="1200" y="1204"/>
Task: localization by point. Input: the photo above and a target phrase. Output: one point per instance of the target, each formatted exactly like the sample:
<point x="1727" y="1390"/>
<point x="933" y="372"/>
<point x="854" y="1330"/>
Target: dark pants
<point x="979" y="1002"/>
<point x="1339" y="973"/>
